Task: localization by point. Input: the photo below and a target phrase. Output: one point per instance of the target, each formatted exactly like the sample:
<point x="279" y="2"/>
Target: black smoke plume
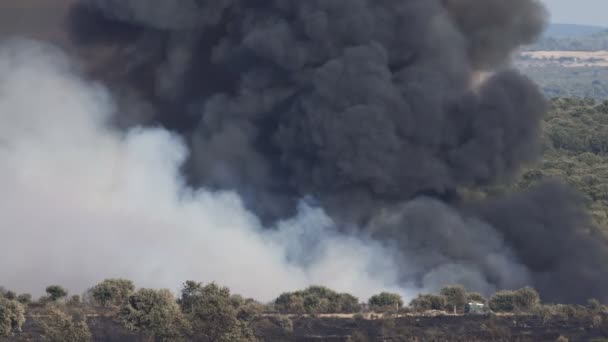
<point x="373" y="108"/>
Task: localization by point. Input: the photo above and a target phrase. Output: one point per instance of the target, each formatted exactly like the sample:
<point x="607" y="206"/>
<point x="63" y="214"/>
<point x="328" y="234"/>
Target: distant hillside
<point x="571" y="30"/>
<point x="569" y="37"/>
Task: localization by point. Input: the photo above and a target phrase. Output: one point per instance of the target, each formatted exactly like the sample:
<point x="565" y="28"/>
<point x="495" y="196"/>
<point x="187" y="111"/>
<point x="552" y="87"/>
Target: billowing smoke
<point x="366" y="115"/>
<point x="82" y="202"/>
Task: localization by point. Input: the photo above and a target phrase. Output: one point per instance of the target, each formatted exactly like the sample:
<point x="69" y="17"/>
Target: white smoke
<point x="82" y="202"/>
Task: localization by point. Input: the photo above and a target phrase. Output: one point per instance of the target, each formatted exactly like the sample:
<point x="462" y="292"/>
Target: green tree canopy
<point x="114" y="292"/>
<point x="214" y="313"/>
<point x="456" y="297"/>
<point x="385" y="300"/>
<point x="317" y="300"/>
<point x="425" y="302"/>
<point x="56" y="292"/>
<point x="156" y="313"/>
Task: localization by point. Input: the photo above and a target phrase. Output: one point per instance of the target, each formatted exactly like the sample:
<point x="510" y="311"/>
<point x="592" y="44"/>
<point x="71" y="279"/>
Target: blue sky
<point x="587" y="12"/>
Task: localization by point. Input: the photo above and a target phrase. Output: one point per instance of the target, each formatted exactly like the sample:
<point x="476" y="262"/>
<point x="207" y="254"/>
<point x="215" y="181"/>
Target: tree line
<point x="210" y="312"/>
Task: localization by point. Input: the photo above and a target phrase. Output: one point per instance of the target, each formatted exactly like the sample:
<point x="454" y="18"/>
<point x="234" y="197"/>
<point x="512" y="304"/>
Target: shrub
<point x="385" y="301"/>
<point x="12" y="317"/>
<point x="58" y="326"/>
<point x="56" y="292"/>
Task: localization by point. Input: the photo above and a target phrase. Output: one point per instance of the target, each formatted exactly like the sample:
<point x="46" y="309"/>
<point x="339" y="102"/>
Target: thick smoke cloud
<point x="339" y="99"/>
<point x="370" y="110"/>
<point x="550" y="230"/>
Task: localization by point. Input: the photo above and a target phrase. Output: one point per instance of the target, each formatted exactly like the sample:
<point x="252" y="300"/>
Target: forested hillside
<point x="575" y="82"/>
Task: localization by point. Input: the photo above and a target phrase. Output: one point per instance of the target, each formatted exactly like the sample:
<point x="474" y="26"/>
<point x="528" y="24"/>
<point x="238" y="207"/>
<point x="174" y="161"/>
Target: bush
<point x="56" y="292"/>
<point x="112" y="292"/>
<point x="385" y="301"/>
<point x="57" y="326"/>
<point x="12" y="317"/>
<point x="429" y="302"/>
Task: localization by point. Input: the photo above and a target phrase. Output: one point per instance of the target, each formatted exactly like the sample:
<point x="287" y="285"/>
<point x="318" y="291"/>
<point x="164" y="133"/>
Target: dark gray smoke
<point x="364" y="106"/>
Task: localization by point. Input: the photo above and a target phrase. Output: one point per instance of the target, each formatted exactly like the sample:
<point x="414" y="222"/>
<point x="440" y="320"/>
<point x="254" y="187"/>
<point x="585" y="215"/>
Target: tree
<point x="213" y="313"/>
<point x="12" y="317"/>
<point x="525" y="299"/>
<point x="113" y="292"/>
<point x="385" y="301"/>
<point x="317" y="300"/>
<point x="56" y="292"/>
<point x="57" y="326"/>
<point x="290" y="303"/>
<point x="456" y="297"/>
<point x="155" y="313"/>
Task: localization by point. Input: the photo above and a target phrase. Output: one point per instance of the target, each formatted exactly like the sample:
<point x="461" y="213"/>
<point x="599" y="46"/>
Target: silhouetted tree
<point x="56" y="292"/>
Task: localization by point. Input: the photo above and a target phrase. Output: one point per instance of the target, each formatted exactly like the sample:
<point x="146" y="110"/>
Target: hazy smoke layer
<point x="372" y="111"/>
